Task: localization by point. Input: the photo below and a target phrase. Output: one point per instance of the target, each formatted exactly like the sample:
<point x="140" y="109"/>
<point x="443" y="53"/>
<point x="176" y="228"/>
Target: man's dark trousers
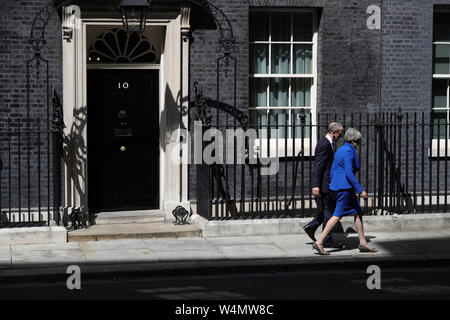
<point x="326" y="204"/>
<point x="323" y="160"/>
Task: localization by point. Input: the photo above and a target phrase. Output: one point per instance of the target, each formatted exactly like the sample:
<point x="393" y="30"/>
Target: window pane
<point x="279" y="117"/>
<point x="259" y="118"/>
<point x="439" y="93"/>
<point x="300" y="131"/>
<point x="259" y="26"/>
<point x="441" y="26"/>
<point x="281" y="58"/>
<point x="258" y="92"/>
<point x="281" y="27"/>
<point x="303" y="23"/>
<point x="439" y="119"/>
<point x="301" y="92"/>
<point x="259" y="55"/>
<point x="442" y="59"/>
<point x="302" y="59"/>
<point x="279" y="92"/>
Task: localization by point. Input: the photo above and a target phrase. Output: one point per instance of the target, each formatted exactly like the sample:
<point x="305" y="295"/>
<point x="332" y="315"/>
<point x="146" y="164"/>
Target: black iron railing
<point x="25" y="179"/>
<point x="404" y="167"/>
<point x="30" y="170"/>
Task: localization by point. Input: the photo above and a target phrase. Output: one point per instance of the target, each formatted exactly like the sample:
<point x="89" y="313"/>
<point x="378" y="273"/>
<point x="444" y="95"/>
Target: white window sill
<point x="439" y="149"/>
<point x="441" y="76"/>
<point x="278" y="148"/>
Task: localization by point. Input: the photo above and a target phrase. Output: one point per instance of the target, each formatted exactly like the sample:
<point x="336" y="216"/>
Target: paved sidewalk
<point x="152" y="255"/>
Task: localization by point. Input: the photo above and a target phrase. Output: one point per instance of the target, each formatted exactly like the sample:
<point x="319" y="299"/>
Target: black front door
<point x="123" y="139"/>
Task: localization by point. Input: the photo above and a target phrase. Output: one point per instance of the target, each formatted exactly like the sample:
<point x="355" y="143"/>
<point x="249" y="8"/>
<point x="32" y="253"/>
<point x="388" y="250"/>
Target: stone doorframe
<point x="174" y="103"/>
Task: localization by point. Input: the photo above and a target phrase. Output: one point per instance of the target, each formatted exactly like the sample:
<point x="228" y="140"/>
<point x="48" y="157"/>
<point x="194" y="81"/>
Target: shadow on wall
<point x="75" y="157"/>
<point x="171" y="115"/>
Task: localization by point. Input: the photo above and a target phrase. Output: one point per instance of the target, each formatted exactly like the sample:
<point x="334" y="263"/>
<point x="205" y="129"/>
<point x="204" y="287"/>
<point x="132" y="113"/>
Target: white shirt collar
<point x="329" y="139"/>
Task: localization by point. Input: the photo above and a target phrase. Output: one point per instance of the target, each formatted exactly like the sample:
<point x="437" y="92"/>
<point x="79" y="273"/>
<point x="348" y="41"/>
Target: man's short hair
<point x="334" y="127"/>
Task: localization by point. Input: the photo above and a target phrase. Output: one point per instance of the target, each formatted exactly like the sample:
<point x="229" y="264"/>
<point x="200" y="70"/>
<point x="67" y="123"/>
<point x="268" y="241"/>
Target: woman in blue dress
<point x="346" y="186"/>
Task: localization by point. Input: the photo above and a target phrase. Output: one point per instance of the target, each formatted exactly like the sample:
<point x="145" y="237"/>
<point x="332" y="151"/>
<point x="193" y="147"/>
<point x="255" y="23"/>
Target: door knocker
<point x="122" y="116"/>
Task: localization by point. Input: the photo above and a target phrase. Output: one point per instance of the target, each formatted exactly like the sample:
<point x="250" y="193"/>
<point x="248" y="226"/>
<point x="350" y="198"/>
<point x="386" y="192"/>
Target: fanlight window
<point x="118" y="46"/>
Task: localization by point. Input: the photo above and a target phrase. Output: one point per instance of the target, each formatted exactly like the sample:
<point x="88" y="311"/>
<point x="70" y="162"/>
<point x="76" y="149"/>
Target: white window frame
<point x="277" y="145"/>
<point x="438" y="148"/>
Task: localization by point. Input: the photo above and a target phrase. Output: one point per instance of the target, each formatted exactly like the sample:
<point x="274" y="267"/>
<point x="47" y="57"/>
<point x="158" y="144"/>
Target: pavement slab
<point x="189" y="244"/>
<point x="46" y="258"/>
<point x="40" y="247"/>
<point x="184" y="255"/>
<point x="423" y="235"/>
<point x="253" y="251"/>
<point x="114" y="244"/>
<point x="123" y="256"/>
<point x="223" y="241"/>
<point x="294" y="246"/>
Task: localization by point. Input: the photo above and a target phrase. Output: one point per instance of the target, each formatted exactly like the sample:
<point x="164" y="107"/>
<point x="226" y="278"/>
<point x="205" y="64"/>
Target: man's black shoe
<point x="310" y="233"/>
<point x="331" y="244"/>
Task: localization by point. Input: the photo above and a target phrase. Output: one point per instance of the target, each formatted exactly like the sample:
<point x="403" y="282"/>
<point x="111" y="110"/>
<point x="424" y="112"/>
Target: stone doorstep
<point x="133" y="225"/>
<point x="134" y="231"/>
<point x="107" y="221"/>
<point x="126" y="217"/>
<point x="149" y="235"/>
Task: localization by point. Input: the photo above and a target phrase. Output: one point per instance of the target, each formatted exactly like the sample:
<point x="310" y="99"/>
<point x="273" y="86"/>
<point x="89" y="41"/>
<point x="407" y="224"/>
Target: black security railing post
<point x="269" y="137"/>
<point x="437" y="162"/>
<point x="375" y="167"/>
<point x="310" y="159"/>
<point x="391" y="152"/>
<point x="397" y="176"/>
<point x="56" y="147"/>
<point x="430" y="163"/>
<point x="56" y="129"/>
<point x="286" y="135"/>
<point x="302" y="116"/>
<point x="380" y="133"/>
<point x="422" y="172"/>
<point x="367" y="134"/>
<point x="204" y="183"/>
<point x="38" y="121"/>
<point x="276" y="208"/>
<point x="445" y="164"/>
<point x="9" y="170"/>
<point x="407" y="158"/>
<point x="415" y="130"/>
<point x="1" y="193"/>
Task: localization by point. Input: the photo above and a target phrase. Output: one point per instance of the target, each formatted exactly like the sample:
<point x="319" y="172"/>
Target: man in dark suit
<point x="324" y="156"/>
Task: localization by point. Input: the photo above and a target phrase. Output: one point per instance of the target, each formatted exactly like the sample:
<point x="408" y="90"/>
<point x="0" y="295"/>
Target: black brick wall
<point x="408" y="54"/>
<point x="16" y="18"/>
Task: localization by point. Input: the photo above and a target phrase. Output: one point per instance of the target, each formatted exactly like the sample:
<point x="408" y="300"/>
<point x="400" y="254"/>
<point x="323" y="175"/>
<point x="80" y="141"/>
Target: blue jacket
<point x="343" y="170"/>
